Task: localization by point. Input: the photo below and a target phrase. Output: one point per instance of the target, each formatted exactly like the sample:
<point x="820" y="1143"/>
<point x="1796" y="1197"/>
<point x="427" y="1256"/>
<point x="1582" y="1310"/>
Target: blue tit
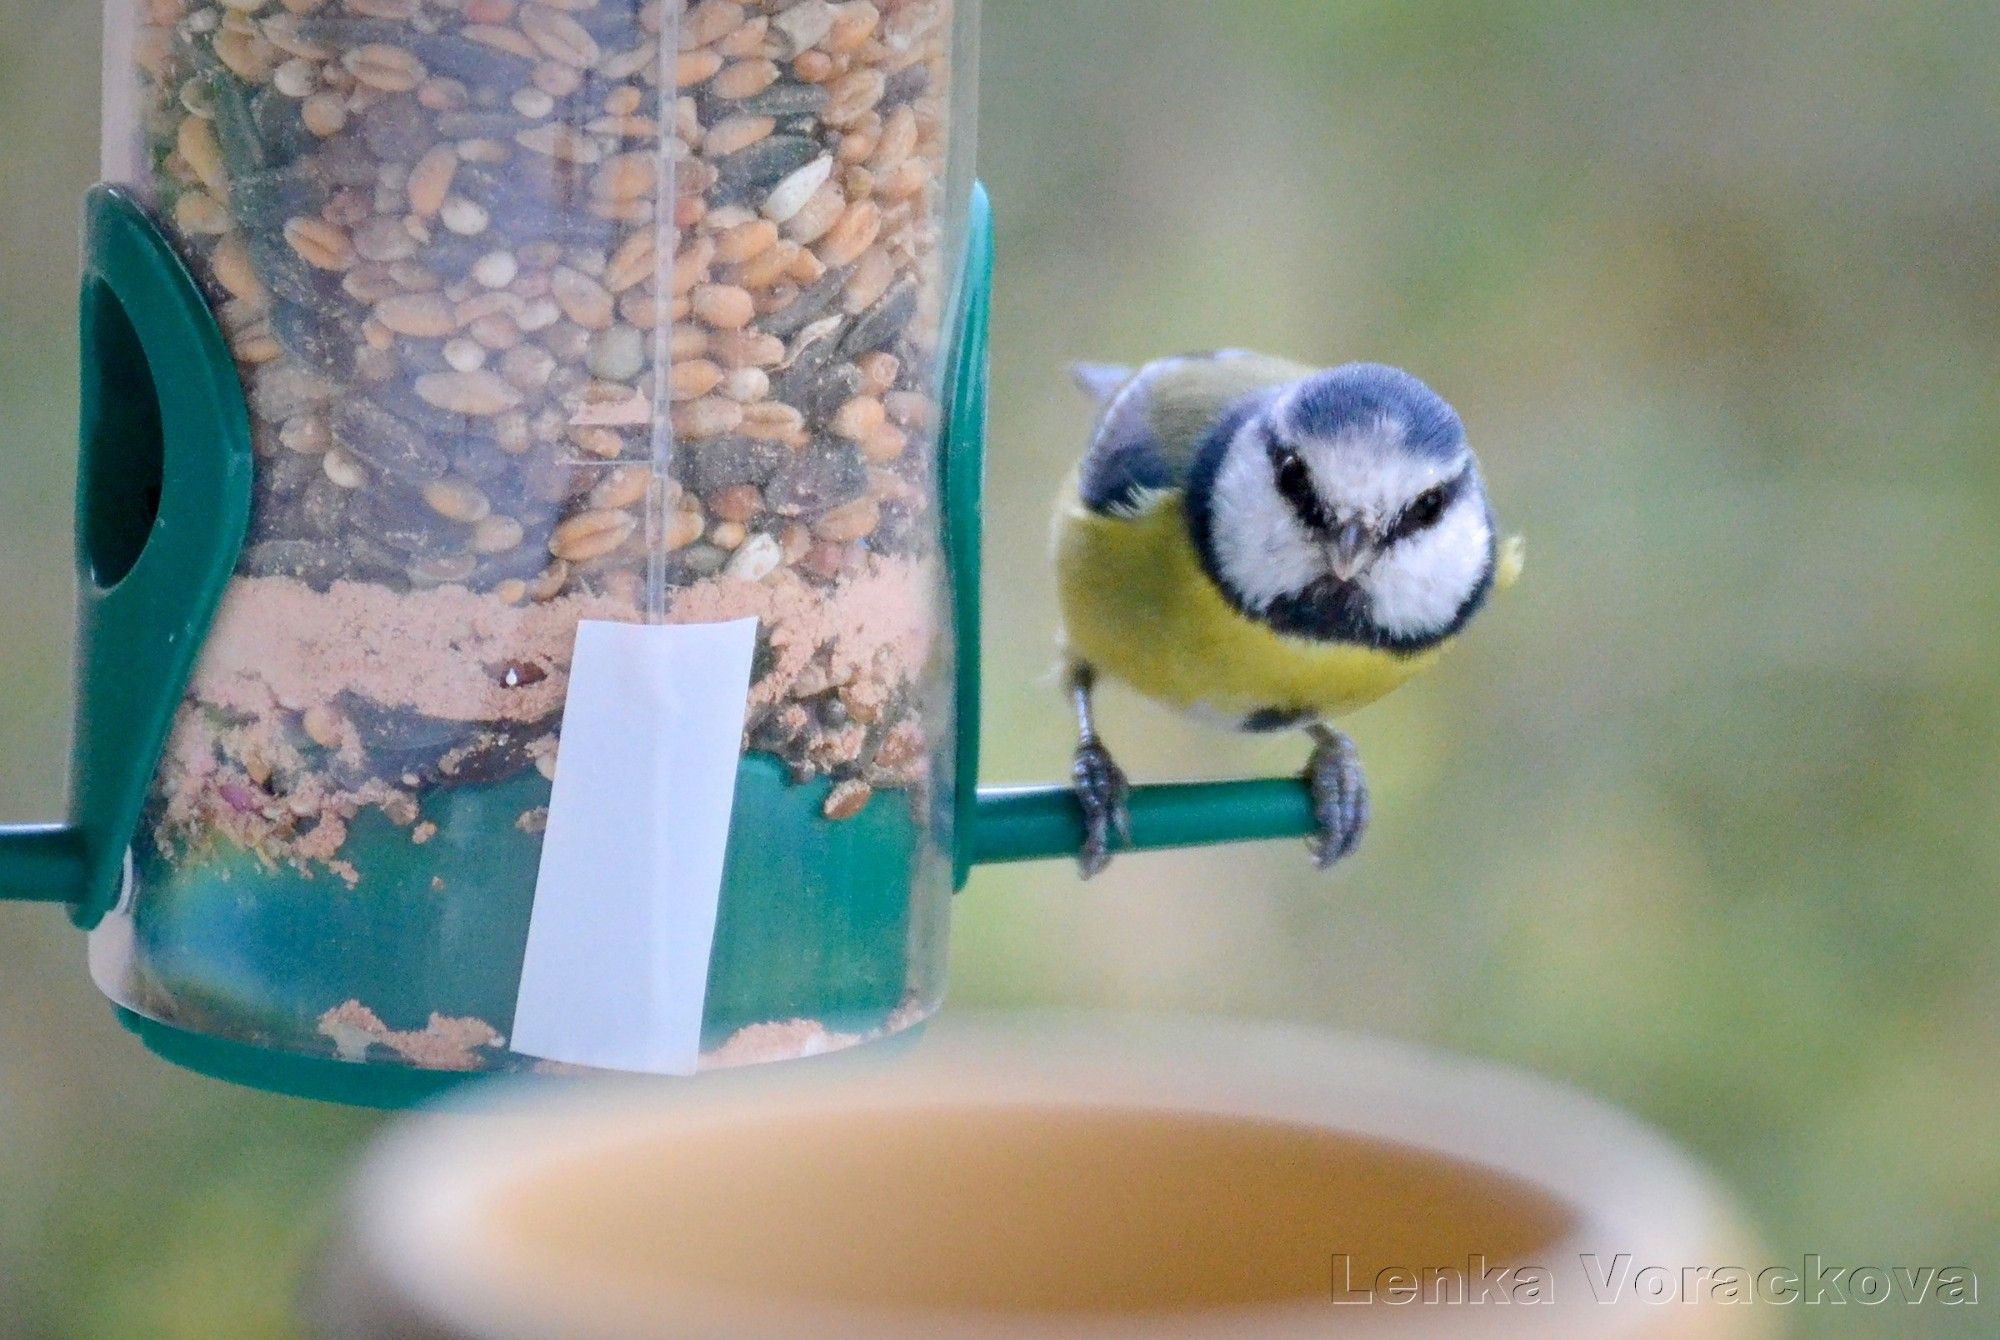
<point x="1266" y="545"/>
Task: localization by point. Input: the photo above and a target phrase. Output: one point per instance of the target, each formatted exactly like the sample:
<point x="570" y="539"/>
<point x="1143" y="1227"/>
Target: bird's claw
<point x="1101" y="790"/>
<point x="1340" y="799"/>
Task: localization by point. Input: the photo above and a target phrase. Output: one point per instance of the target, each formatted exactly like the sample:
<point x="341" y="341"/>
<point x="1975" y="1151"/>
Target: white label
<point x="624" y="917"/>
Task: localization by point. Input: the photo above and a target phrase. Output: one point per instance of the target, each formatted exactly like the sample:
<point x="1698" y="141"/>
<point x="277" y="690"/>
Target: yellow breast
<point x="1137" y="605"/>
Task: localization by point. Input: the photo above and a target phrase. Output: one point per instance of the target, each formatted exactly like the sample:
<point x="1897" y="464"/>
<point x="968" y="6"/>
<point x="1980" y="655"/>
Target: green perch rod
<point x="1028" y="823"/>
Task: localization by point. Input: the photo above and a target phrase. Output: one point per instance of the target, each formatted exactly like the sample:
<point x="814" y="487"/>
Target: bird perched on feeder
<point x="1266" y="546"/>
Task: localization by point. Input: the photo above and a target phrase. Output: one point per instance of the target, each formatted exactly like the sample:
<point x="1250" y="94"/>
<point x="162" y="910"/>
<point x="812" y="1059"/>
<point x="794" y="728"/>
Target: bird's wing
<point x="1157" y="418"/>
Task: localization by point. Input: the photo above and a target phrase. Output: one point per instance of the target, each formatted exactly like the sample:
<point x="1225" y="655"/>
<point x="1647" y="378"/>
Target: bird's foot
<point x="1101" y="789"/>
<point x="1340" y="798"/>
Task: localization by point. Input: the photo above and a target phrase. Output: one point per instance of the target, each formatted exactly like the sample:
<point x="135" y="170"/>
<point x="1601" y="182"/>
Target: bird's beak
<point x="1355" y="549"/>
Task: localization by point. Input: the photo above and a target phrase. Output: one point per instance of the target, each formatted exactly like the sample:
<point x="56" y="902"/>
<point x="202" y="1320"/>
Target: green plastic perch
<point x="1027" y="823"/>
<point x="44" y="863"/>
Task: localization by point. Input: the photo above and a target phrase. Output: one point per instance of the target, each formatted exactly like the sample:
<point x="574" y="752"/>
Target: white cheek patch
<point x="1263" y="550"/>
<point x="1419" y="585"/>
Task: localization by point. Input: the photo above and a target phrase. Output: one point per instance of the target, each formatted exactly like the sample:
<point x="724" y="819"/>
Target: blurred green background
<point x="1705" y="818"/>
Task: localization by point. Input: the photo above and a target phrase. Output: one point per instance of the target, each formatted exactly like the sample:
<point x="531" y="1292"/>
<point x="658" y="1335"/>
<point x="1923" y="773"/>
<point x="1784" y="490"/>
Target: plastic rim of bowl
<point x="421" y="1236"/>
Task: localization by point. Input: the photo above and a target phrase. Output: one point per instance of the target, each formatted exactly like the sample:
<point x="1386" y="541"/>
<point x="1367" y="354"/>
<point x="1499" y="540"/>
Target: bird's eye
<point x="1292" y="475"/>
<point x="1295" y="486"/>
<point x="1425" y="511"/>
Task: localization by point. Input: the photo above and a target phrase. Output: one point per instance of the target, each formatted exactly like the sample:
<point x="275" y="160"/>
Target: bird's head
<point x="1347" y="506"/>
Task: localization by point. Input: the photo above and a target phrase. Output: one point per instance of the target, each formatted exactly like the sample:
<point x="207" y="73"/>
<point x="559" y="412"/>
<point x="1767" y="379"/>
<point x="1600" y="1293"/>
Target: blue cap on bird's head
<point x="1372" y="402"/>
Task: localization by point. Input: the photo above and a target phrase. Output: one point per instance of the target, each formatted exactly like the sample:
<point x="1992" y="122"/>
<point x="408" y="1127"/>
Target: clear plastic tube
<point x="546" y="310"/>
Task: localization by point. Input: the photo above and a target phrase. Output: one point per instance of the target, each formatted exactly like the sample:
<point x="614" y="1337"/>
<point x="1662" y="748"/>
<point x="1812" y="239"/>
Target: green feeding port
<point x="163" y="502"/>
<point x="123" y="447"/>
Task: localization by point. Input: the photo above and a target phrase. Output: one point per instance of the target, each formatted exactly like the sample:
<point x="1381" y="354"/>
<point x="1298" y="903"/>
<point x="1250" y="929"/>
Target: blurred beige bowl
<point x="1042" y="1176"/>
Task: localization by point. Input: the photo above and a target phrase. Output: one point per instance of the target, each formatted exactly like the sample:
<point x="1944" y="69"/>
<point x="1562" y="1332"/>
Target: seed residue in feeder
<point x="550" y="310"/>
<point x="444" y="1044"/>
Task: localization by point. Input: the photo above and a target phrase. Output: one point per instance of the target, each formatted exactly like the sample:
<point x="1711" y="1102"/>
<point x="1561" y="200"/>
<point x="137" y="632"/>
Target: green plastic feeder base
<point x="323" y="1080"/>
<point x="819" y="921"/>
<point x="351" y="1084"/>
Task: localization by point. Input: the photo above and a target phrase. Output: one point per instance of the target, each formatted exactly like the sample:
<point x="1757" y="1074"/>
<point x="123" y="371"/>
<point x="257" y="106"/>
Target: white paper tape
<point x="624" y="916"/>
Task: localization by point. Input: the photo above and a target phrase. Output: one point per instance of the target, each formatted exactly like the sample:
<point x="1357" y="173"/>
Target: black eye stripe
<point x="1294" y="481"/>
<point x="1428" y="508"/>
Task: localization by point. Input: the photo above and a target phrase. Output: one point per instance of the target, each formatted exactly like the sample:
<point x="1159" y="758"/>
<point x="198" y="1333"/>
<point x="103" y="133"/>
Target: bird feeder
<point x="434" y="352"/>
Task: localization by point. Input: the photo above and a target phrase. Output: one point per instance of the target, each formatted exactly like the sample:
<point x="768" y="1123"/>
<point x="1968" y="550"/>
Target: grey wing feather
<point x="1156" y="419"/>
<point x="1126" y="462"/>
